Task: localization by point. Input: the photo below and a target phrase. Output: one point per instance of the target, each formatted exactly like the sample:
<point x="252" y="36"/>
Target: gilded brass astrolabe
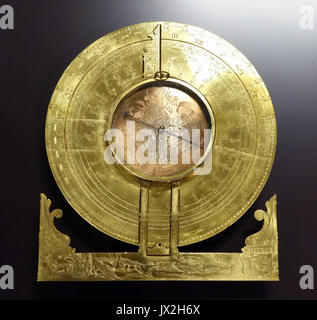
<point x="161" y="74"/>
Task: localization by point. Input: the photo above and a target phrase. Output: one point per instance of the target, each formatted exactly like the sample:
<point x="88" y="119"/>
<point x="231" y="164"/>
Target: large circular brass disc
<point x="107" y="196"/>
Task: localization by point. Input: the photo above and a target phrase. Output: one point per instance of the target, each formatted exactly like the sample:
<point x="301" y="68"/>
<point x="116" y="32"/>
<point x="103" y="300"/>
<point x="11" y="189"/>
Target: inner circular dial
<point x="171" y="130"/>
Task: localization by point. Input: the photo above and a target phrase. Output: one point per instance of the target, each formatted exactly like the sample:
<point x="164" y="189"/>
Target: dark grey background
<point x="49" y="34"/>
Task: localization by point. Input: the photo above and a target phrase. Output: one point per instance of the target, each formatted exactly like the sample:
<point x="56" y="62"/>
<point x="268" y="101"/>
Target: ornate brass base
<point x="59" y="262"/>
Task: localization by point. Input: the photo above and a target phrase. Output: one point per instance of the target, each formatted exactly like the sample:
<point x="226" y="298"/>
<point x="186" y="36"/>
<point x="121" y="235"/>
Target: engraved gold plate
<point x="158" y="74"/>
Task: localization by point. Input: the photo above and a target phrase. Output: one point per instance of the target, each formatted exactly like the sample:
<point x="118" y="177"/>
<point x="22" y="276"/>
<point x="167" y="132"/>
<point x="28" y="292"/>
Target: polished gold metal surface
<point x="171" y="214"/>
<point x="258" y="260"/>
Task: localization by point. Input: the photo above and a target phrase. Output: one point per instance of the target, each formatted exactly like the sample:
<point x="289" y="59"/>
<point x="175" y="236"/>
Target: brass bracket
<point x="258" y="260"/>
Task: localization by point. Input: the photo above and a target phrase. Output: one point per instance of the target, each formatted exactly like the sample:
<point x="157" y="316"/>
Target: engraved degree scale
<point x="160" y="74"/>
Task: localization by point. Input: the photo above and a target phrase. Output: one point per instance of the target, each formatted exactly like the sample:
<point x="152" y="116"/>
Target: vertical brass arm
<point x="143" y="218"/>
<point x="174" y="222"/>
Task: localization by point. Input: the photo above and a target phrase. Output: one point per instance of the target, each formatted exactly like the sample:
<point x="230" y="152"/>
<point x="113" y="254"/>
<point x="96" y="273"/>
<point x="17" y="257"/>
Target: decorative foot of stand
<point x="258" y="260"/>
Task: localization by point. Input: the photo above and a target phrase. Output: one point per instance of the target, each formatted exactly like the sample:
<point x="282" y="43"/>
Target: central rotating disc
<point x="175" y="125"/>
